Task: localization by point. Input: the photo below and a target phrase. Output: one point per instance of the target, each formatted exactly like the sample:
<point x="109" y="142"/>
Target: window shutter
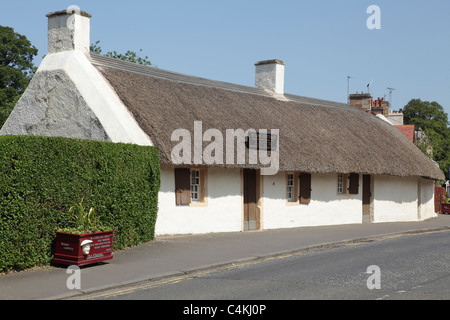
<point x="305" y="188"/>
<point x="182" y="186"/>
<point x="353" y="187"/>
<point x="203" y="176"/>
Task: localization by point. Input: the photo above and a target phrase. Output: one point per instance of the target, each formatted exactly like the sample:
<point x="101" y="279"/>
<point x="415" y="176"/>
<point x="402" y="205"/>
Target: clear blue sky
<point x="321" y="41"/>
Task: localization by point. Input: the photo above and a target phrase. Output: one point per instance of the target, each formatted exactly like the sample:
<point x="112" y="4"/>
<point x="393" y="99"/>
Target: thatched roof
<point x="315" y="136"/>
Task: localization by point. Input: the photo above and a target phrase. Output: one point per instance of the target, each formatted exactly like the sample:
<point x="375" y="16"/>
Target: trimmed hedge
<point x="42" y="177"/>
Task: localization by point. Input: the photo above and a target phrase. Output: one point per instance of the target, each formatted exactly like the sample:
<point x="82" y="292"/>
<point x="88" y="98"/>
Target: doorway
<point x="366" y="198"/>
<point x="251" y="185"/>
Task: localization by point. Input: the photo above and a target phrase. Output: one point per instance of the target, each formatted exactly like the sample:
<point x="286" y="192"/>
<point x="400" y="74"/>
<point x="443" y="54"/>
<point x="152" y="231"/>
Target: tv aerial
<point x="390" y="96"/>
<point x="368" y="86"/>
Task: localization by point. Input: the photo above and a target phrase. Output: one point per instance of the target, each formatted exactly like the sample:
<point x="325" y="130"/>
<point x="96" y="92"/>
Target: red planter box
<point x="68" y="249"/>
<point x="445" y="208"/>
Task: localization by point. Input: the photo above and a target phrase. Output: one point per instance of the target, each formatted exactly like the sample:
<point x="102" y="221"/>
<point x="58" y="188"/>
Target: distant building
<point x="396" y="117"/>
<point x="408" y="131"/>
<point x="365" y="102"/>
<point x="361" y="101"/>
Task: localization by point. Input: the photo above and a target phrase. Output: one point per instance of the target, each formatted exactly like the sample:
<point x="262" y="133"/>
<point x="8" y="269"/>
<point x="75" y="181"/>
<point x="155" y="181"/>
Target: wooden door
<point x="305" y="188"/>
<point x="250" y="199"/>
<point x="366" y="198"/>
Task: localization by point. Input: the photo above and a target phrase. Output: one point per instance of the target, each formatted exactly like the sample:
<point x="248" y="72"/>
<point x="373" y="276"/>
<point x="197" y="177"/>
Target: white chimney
<point x="270" y="75"/>
<point x="68" y="30"/>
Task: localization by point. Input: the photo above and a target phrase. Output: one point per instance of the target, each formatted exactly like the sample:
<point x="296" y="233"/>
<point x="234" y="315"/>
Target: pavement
<point x="180" y="255"/>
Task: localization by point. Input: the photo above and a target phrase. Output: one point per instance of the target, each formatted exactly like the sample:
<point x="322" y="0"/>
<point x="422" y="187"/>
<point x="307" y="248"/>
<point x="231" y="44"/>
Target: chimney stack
<point x="270" y="75"/>
<point x="68" y="30"/>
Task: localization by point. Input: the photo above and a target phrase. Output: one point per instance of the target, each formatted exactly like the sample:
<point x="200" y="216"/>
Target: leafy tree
<point x="430" y="118"/>
<point x="16" y="69"/>
<point x="130" y="56"/>
<point x="426" y="115"/>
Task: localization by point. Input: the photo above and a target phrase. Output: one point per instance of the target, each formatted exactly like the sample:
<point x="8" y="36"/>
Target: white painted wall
<point x="71" y="74"/>
<point x="68" y="32"/>
<point x="396" y="198"/>
<point x="270" y="77"/>
<point x="326" y="207"/>
<point x="426" y="208"/>
<point x="223" y="212"/>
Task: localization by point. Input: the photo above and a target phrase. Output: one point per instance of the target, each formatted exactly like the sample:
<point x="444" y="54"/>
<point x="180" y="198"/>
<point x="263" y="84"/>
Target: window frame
<point x="350" y="184"/>
<point x="183" y="194"/>
<point x="344" y="182"/>
<point x="294" y="201"/>
<point x="202" y="187"/>
<point x="195" y="194"/>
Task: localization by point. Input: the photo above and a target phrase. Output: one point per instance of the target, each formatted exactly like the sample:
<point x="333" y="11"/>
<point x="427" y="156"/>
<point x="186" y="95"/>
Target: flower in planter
<point x="83" y="222"/>
<point x="87" y="241"/>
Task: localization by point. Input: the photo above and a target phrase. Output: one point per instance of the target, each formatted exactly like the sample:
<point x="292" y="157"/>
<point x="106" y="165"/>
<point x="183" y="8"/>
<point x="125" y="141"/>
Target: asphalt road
<point x="415" y="267"/>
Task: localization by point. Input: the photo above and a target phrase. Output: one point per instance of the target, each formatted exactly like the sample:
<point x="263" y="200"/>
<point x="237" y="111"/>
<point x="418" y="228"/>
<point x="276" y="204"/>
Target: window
<point x="195" y="185"/>
<point x="262" y="141"/>
<point x="348" y="183"/>
<point x="342" y="183"/>
<point x="290" y="188"/>
<point x="190" y="186"/>
<point x="340" y="186"/>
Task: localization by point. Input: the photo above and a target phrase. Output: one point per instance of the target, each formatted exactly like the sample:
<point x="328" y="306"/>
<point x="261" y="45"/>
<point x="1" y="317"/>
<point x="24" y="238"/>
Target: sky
<point x="322" y="42"/>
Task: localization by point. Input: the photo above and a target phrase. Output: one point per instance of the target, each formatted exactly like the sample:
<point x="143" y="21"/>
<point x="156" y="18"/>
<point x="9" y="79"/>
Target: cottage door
<point x="366" y="198"/>
<point x="250" y="199"/>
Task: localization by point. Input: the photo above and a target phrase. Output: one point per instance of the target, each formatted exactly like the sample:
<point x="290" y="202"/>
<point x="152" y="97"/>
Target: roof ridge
<point x="118" y="64"/>
<point x="109" y="62"/>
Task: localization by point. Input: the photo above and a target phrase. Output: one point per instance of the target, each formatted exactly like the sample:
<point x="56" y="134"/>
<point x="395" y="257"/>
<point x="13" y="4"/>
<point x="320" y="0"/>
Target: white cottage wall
<point x="327" y="207"/>
<point x="395" y="199"/>
<point x="223" y="212"/>
<point x="426" y="207"/>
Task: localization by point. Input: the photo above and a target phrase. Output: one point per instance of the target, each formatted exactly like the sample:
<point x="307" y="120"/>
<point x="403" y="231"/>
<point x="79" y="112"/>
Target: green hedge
<point x="42" y="177"/>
